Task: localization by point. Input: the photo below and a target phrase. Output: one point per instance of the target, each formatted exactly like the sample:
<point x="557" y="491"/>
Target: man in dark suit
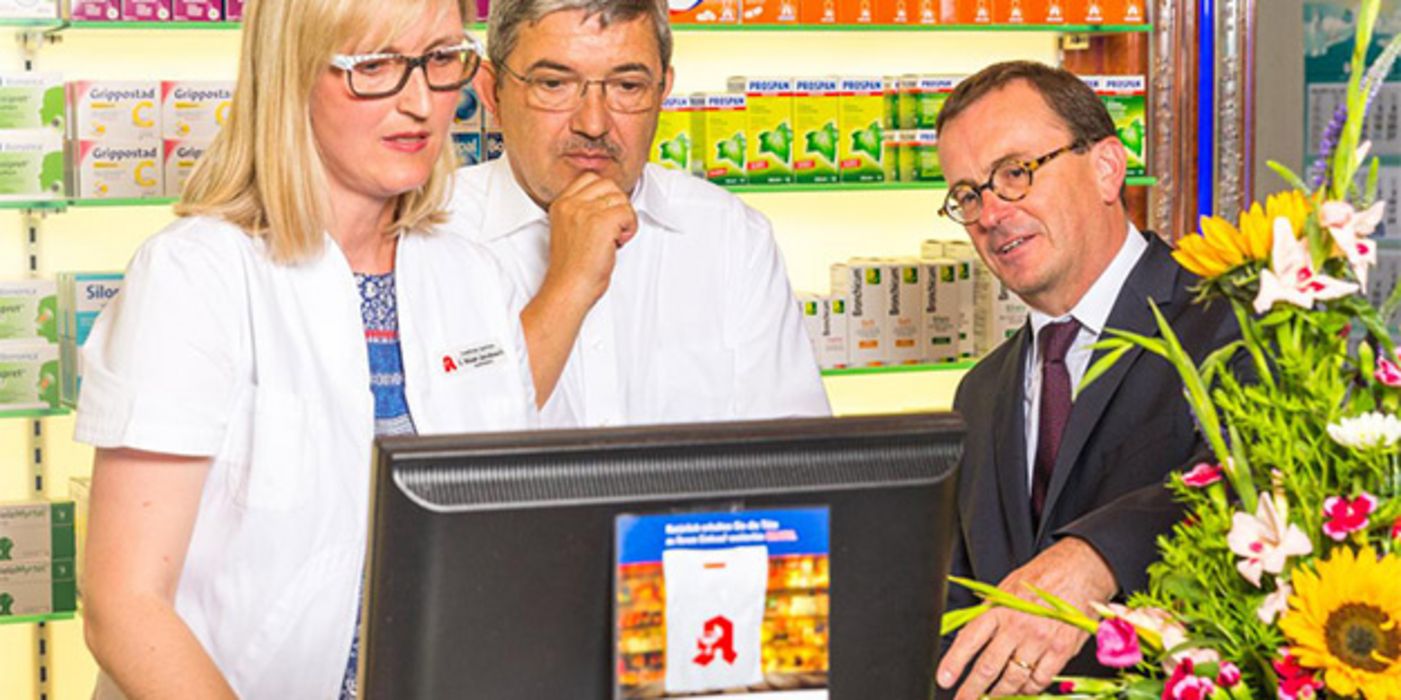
<point x="1058" y="490"/>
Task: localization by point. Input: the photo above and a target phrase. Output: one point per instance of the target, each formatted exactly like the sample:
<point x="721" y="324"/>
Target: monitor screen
<point x="787" y="559"/>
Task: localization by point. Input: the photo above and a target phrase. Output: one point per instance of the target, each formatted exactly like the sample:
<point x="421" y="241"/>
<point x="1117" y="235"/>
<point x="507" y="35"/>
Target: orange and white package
<point x="770" y="12"/>
<point x="918" y="12"/>
<point x="1020" y="11"/>
<point x="704" y="11"/>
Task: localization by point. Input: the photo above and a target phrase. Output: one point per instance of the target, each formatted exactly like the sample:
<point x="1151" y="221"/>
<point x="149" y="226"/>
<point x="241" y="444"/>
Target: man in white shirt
<point x="675" y="288"/>
<point x="1059" y="489"/>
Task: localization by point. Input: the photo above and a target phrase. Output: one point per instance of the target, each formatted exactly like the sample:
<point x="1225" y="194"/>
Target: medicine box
<point x="866" y="285"/>
<point x="31" y="164"/>
<point x="81" y="298"/>
<point x="118" y="170"/>
<point x="115" y="110"/>
<point x="194" y="110"/>
<point x="1126" y="97"/>
<point x="145" y="10"/>
<point x="233" y="11"/>
<point x="29" y="9"/>
<point x="96" y="10"/>
<point x="816" y="130"/>
<point x="769" y="128"/>
<point x="468" y="146"/>
<point x="862" y="120"/>
<point x="672" y="144"/>
<point x="37" y="587"/>
<point x="36" y="530"/>
<point x="824" y="318"/>
<point x="198" y="10"/>
<point x="771" y="11"/>
<point x="468" y="117"/>
<point x="180" y="159"/>
<point x="70" y="367"/>
<point x="704" y="11"/>
<point x="718" y="127"/>
<point x="32" y="101"/>
<point x="493" y="145"/>
<point x="28" y="311"/>
<point x="905" y="309"/>
<point x="939" y="335"/>
<point x="29" y="376"/>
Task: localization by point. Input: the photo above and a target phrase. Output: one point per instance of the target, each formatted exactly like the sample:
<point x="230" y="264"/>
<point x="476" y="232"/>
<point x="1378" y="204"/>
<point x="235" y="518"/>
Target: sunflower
<point x="1222" y="246"/>
<point x="1345" y="620"/>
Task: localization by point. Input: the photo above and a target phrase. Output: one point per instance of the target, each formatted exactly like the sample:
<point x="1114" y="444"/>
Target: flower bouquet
<point x="1284" y="578"/>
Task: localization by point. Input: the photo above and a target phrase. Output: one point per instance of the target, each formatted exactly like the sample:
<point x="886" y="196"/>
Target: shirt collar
<point x="1092" y="311"/>
<point x="509" y="208"/>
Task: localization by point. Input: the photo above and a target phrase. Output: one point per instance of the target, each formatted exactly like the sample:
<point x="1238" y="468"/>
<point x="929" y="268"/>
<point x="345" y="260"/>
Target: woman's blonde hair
<point x="263" y="172"/>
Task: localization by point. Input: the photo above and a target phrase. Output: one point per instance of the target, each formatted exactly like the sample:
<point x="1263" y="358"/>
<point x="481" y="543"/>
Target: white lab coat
<point x="211" y="349"/>
<point x="698" y="323"/>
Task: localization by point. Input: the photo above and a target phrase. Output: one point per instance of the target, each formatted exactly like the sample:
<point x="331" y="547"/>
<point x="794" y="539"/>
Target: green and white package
<point x="816" y="119"/>
<point x="36" y="530"/>
<point x="81" y="297"/>
<point x="769" y="109"/>
<point x="28" y="376"/>
<point x="32" y="101"/>
<point x="28" y="311"/>
<point x="1126" y="98"/>
<point x="37" y="587"/>
<point x="922" y="147"/>
<point x="31" y="164"/>
<point x="672" y="145"/>
<point x="719" y="129"/>
<point x="922" y="97"/>
<point x="862" y="124"/>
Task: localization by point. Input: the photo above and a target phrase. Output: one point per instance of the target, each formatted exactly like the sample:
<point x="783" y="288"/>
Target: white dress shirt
<point x="698" y="322"/>
<point x="1092" y="311"/>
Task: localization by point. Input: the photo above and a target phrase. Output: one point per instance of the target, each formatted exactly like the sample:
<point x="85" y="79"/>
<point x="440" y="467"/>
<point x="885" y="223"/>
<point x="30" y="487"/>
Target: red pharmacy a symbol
<point x="717" y="638"/>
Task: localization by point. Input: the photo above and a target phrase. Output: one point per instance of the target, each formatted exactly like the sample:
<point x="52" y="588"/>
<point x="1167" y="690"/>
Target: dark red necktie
<point x="1054" y="342"/>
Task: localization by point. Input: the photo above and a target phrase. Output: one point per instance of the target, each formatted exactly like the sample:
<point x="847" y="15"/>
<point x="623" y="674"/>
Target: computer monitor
<point x="494" y="559"/>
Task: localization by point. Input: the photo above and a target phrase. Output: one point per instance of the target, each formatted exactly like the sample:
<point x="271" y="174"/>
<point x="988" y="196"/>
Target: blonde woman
<point x="299" y="306"/>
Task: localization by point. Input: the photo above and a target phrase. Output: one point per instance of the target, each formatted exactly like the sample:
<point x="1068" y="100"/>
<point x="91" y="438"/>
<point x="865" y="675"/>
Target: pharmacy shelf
<point x="60" y="204"/>
<point x="36" y="413"/>
<point x="896" y="369"/>
<point x="53" y="25"/>
<point x="22" y="619"/>
<point x="1135" y="181"/>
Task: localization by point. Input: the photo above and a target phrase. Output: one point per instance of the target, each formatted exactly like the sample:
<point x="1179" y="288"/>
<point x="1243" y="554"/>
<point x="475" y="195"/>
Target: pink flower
<point x="1228" y="676"/>
<point x="1168" y="629"/>
<point x="1202" y="475"/>
<point x="1117" y="643"/>
<point x="1346" y="516"/>
<point x="1184" y="685"/>
<point x="1295" y="683"/>
<point x="1291" y="277"/>
<point x="1396" y="529"/>
<point x="1350" y="229"/>
<point x="1265" y="540"/>
<point x="1388" y="374"/>
<point x="1275" y="603"/>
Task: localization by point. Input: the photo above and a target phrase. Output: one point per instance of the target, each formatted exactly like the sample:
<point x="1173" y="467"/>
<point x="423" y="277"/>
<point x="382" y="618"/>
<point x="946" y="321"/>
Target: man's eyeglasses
<point x="446" y="68"/>
<point x="1010" y="180"/>
<point x="562" y="91"/>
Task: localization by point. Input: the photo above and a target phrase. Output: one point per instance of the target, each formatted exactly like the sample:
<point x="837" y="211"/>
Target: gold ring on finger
<point x="1022" y="664"/>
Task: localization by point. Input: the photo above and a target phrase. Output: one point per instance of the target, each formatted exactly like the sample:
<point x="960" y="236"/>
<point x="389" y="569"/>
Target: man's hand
<point x="1016" y="653"/>
<point x="589" y="222"/>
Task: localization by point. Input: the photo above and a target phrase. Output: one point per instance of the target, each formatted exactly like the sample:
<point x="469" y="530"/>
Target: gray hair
<point x="507" y="16"/>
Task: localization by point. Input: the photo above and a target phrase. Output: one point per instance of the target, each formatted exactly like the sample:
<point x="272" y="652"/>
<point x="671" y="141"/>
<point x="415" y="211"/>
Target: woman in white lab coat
<point x="300" y="305"/>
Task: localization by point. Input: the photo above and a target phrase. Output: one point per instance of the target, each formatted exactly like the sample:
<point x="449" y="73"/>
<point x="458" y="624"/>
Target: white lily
<point x="1291" y="277"/>
<point x="1368" y="431"/>
<point x="1350" y="229"/>
<point x="1265" y="540"/>
<point x="1275" y="603"/>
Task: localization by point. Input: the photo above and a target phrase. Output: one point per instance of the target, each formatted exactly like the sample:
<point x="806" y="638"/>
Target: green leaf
<point x="955" y="619"/>
<point x="1370" y="193"/>
<point x="1288" y="175"/>
<point x="1102" y="365"/>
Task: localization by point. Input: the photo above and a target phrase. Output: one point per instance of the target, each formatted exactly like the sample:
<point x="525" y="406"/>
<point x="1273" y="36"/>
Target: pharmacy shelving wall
<point x="814" y="228"/>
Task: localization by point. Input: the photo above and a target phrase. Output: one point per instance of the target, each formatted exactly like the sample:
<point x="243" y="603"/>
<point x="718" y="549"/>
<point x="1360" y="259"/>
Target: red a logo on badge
<point x="717" y="638"/>
<point x="448" y="365"/>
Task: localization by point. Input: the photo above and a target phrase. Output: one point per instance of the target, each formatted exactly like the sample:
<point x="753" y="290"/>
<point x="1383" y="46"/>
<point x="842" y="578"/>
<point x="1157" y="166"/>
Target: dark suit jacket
<point x="1126" y="432"/>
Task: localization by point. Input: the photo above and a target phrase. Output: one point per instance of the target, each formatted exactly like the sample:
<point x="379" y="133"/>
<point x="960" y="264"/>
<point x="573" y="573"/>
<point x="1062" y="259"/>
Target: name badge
<point x="475" y="356"/>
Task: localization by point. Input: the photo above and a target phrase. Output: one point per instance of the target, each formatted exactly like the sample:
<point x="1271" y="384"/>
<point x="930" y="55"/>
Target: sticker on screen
<point x="723" y="604"/>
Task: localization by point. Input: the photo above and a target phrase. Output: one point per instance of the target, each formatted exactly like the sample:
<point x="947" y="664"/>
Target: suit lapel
<point x="1154" y="277"/>
<point x="1009" y="447"/>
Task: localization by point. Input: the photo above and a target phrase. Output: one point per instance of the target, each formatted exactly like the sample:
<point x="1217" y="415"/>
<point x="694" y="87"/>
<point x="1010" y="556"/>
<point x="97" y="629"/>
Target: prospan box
<point x="862" y="116"/>
<point x="817" y="109"/>
<point x="115" y="110"/>
<point x="922" y="97"/>
<point x="769" y="117"/>
<point x="673" y="142"/>
<point x="719" y="129"/>
<point x="1126" y="97"/>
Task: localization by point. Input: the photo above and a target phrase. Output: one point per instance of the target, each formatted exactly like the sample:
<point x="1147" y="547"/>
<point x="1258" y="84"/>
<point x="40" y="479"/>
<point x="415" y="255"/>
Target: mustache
<point x="591" y="145"/>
